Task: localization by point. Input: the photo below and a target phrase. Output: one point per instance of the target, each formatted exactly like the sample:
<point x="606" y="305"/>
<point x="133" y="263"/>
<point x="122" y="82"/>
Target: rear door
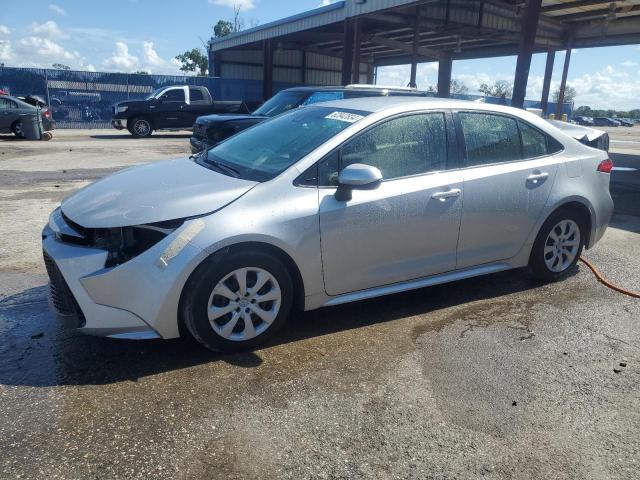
<point x="508" y="175"/>
<point x="407" y="227"/>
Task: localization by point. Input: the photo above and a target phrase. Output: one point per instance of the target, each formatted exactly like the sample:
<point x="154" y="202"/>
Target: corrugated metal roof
<point x="326" y="15"/>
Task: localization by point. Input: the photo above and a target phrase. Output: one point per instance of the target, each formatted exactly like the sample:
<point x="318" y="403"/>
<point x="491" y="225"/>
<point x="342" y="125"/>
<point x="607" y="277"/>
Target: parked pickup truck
<point x="170" y="108"/>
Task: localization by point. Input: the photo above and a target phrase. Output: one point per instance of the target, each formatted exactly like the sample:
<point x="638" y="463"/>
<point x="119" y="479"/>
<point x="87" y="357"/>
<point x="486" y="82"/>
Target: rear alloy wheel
<point x="557" y="247"/>
<point x="141" y="127"/>
<point x="17" y="129"/>
<point x="237" y="300"/>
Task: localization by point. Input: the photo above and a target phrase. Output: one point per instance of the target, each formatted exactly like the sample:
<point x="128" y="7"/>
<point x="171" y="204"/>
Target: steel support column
<point x="563" y="82"/>
<point x="347" y="57"/>
<point x="444" y="75"/>
<point x="527" y="43"/>
<point x="357" y="40"/>
<point x="414" y="53"/>
<point x="267" y="69"/>
<point x="303" y="67"/>
<point x="546" y="84"/>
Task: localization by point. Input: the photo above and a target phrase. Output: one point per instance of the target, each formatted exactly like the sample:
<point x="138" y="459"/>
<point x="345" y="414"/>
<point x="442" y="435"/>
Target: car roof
<point x="375" y="104"/>
<point x="358" y="89"/>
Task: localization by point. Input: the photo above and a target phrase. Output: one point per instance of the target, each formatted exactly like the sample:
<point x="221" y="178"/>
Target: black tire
<point x="140" y="127"/>
<point x="199" y="288"/>
<point x="538" y="267"/>
<point x="17" y="129"/>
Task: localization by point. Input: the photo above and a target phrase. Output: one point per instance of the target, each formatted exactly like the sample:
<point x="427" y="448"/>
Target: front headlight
<point x="122" y="108"/>
<point x="125" y="243"/>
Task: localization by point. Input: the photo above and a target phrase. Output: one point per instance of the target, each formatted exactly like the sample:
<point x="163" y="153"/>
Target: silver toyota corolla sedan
<point x="323" y="205"/>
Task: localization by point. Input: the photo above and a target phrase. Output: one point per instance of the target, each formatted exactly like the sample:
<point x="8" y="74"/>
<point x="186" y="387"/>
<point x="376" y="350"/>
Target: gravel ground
<point x="495" y="377"/>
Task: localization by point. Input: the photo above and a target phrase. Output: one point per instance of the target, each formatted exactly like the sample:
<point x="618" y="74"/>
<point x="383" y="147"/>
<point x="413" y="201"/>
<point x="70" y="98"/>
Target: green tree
<point x="500" y="88"/>
<point x="193" y="61"/>
<point x="569" y="94"/>
<point x="456" y="86"/>
<point x="140" y="72"/>
<point x="60" y="66"/>
<point x="222" y="28"/>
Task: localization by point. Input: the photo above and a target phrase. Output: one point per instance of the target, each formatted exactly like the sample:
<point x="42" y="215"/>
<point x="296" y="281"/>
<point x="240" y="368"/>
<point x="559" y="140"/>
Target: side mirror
<point x="357" y="176"/>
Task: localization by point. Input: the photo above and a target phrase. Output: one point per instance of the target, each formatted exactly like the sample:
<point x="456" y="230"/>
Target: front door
<point x="407" y="227"/>
<point x="510" y="171"/>
<point x="169" y="111"/>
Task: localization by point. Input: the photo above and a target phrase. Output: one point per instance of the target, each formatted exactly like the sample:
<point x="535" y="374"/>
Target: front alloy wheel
<point x="237" y="299"/>
<point x="141" y="128"/>
<point x="244" y="304"/>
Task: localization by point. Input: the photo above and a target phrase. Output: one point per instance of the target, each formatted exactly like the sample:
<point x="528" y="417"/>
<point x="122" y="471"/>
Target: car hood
<point x="215" y="118"/>
<point x="132" y="103"/>
<point x="156" y="192"/>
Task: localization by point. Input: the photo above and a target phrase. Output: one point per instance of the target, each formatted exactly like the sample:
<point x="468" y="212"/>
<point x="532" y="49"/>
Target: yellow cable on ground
<point x="604" y="281"/>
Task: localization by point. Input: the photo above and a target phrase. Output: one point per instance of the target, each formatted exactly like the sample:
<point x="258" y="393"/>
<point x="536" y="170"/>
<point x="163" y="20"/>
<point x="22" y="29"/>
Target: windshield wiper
<point x="221" y="166"/>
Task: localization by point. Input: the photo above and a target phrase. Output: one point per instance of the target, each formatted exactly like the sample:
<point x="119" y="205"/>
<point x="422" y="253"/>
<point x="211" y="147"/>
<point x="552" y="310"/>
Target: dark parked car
<point x="211" y="129"/>
<point x="13" y="108"/>
<point x="171" y="108"/>
<point x="586" y="121"/>
<point x="625" y="122"/>
<point x="605" y="122"/>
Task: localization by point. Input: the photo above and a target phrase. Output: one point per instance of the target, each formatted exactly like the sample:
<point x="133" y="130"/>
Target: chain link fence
<point x="84" y="99"/>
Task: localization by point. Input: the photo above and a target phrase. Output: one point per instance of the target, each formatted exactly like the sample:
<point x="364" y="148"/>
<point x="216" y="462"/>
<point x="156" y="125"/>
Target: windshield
<point x="281" y="102"/>
<point x="155" y="93"/>
<point x="264" y="151"/>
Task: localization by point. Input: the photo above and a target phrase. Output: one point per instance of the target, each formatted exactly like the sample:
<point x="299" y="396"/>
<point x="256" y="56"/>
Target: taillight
<point x="605" y="166"/>
<point x="47" y="114"/>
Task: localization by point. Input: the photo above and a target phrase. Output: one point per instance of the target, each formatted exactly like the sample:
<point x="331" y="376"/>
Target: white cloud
<point x="151" y="57"/>
<point x="4" y="31"/>
<point x="629" y="63"/>
<point x="58" y="9"/>
<point x="399" y="75"/>
<point x="327" y="2"/>
<point x="6" y="53"/>
<point x="121" y="59"/>
<point x="243" y="4"/>
<point x="45" y="48"/>
<point x="48" y="29"/>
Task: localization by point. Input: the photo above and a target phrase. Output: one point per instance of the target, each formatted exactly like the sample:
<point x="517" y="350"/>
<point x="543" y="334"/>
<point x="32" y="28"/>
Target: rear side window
<point x="6" y="103"/>
<point x="534" y="142"/>
<point x="195" y="95"/>
<point x="489" y="138"/>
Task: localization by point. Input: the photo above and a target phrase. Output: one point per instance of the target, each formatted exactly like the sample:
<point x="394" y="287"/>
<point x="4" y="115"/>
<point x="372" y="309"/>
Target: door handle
<point x="535" y="177"/>
<point x="442" y="196"/>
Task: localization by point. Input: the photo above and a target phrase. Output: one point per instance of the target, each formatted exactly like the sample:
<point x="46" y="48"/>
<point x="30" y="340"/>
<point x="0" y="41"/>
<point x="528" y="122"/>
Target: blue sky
<point x="129" y="35"/>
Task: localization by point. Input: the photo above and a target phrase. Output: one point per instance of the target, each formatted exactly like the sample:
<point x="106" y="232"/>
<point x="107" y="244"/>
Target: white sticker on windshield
<point x="344" y="116"/>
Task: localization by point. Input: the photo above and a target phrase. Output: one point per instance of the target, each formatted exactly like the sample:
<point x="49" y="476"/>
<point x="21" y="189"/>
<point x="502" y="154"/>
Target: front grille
<point x="61" y="296"/>
<point x="198" y="131"/>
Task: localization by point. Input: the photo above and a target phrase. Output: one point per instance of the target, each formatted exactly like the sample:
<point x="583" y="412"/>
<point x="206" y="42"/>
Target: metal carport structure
<point x="343" y="42"/>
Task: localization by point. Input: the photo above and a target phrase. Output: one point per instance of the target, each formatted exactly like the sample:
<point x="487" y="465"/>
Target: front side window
<point x="400" y="147"/>
<point x="489" y="138"/>
<point x="175" y="95"/>
<point x="264" y="151"/>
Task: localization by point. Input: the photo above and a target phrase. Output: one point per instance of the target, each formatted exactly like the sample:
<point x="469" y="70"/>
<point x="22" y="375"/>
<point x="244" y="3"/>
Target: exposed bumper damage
<point x="134" y="300"/>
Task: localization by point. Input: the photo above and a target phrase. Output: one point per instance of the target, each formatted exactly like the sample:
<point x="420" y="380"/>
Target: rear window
<point x="195" y="95"/>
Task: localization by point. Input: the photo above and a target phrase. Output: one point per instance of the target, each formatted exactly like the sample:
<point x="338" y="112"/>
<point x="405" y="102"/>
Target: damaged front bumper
<point x="134" y="300"/>
<point x="119" y="123"/>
